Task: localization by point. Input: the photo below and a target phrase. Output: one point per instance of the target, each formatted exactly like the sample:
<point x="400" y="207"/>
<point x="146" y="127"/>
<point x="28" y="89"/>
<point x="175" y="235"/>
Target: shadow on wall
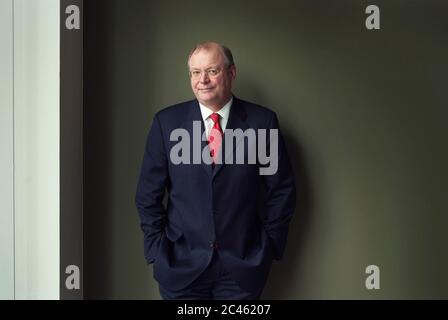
<point x="279" y="284"/>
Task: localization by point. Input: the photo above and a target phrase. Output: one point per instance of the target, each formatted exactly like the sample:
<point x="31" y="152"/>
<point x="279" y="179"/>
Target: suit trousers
<point x="215" y="283"/>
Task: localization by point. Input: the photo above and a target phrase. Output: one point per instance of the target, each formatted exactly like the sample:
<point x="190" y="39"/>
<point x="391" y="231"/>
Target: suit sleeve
<point x="151" y="188"/>
<point x="280" y="196"/>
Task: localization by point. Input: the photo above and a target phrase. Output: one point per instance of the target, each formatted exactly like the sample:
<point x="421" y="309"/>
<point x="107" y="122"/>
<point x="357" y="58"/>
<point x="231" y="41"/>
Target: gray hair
<point x="228" y="57"/>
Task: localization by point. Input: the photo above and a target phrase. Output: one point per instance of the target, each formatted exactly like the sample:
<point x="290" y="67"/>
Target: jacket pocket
<point x="173" y="233"/>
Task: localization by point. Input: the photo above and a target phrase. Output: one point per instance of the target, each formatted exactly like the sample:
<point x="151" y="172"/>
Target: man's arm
<point x="280" y="196"/>
<point x="151" y="189"/>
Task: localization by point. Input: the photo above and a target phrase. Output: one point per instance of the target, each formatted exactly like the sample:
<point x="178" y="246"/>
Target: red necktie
<point x="215" y="137"/>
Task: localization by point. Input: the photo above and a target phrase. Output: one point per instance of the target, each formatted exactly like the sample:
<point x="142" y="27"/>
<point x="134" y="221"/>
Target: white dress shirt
<point x="223" y="114"/>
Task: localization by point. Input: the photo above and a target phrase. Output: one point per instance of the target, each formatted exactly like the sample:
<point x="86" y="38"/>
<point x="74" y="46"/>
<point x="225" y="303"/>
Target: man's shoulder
<point x="174" y="110"/>
<point x="255" y="110"/>
<point x="179" y="110"/>
<point x="174" y="116"/>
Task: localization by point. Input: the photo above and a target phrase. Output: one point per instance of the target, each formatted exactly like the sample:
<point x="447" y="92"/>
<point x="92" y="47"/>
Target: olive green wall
<point x="364" y="114"/>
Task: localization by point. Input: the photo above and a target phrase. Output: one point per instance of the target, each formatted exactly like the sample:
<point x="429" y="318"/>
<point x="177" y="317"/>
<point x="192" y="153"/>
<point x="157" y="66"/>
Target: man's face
<point x="211" y="80"/>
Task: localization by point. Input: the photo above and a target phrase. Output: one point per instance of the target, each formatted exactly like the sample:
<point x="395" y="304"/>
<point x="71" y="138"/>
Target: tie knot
<point x="214" y="117"/>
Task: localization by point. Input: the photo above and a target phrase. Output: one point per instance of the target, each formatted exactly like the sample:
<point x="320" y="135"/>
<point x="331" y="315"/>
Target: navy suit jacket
<point x="231" y="208"/>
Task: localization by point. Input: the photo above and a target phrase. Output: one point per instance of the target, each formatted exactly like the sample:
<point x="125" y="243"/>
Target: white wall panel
<point x="36" y="148"/>
<point x="6" y="154"/>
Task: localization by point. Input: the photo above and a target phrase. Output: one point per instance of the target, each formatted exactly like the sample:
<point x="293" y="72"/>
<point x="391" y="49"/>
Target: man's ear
<point x="232" y="71"/>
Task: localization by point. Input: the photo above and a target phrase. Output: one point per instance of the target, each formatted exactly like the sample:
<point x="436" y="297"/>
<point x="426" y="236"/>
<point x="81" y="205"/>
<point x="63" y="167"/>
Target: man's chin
<point x="207" y="95"/>
<point x="207" y="99"/>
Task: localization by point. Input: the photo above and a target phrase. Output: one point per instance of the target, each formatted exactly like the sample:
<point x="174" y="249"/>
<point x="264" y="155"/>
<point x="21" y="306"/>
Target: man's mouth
<point x="205" y="89"/>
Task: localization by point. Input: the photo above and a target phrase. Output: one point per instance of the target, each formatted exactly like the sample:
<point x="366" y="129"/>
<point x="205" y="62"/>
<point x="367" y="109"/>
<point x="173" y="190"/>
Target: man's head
<point x="212" y="72"/>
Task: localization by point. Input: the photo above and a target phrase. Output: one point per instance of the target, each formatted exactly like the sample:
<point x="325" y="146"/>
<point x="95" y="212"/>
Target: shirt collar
<point x="223" y="112"/>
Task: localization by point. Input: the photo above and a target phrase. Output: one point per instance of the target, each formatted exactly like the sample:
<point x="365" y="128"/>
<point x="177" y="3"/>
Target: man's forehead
<point x="207" y="54"/>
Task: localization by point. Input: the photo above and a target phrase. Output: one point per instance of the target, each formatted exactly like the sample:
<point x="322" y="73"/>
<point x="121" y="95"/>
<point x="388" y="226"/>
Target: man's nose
<point x="204" y="77"/>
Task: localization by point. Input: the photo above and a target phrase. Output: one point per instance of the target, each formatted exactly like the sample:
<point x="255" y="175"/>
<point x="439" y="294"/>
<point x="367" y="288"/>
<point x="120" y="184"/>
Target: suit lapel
<point x="195" y="138"/>
<point x="237" y="120"/>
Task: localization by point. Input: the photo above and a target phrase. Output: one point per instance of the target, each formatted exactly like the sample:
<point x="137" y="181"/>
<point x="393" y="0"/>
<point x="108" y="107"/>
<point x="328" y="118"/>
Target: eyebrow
<point x="212" y="67"/>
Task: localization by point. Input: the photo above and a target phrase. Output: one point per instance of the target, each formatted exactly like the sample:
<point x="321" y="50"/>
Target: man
<point x="224" y="222"/>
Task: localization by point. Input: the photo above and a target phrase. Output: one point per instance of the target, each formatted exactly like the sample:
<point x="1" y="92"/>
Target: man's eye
<point x="213" y="72"/>
<point x="195" y="73"/>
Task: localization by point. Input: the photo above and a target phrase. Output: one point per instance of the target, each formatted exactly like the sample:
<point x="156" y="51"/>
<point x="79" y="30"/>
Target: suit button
<point x="213" y="245"/>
